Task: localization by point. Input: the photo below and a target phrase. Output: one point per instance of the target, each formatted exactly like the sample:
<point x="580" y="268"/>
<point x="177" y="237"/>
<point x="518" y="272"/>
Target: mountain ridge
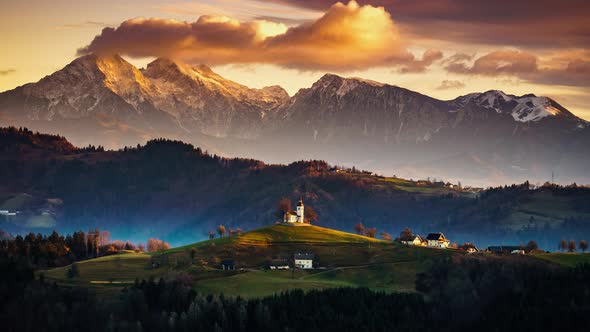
<point x="104" y="100"/>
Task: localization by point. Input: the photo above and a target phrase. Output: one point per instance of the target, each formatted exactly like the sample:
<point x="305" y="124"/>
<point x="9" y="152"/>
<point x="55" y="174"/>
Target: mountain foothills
<point x="179" y="193"/>
<point x="481" y="138"/>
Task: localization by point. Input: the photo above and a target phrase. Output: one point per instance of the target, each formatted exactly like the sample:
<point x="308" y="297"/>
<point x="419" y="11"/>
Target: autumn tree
<point x="284" y="207"/>
<point x="385" y="236"/>
<point x="371" y="232"/>
<point x="359" y="228"/>
<point x="571" y="246"/>
<point x="211" y="235"/>
<point x="532" y="245"/>
<point x="230" y="232"/>
<point x="406" y="235"/>
<point x="562" y="245"/>
<point x="239" y="231"/>
<point x="310" y="215"/>
<point x="154" y="245"/>
<point x="221" y="230"/>
<point x="583" y="245"/>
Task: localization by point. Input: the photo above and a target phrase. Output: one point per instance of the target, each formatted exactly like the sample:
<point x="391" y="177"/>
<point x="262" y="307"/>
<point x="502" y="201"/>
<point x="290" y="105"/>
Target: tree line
<point x="42" y="251"/>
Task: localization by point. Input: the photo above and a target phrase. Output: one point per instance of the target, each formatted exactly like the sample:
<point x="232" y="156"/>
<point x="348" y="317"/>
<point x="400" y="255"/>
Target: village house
<point x="437" y="240"/>
<point x="228" y="265"/>
<point x="303" y="261"/>
<point x="291" y="217"/>
<point x="415" y="240"/>
<point x="279" y="264"/>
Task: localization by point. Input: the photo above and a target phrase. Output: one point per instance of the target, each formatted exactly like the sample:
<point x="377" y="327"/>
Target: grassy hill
<point x="345" y="260"/>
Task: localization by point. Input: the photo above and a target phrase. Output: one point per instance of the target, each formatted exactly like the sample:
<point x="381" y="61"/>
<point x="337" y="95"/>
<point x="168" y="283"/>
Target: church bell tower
<point x="300" y="214"/>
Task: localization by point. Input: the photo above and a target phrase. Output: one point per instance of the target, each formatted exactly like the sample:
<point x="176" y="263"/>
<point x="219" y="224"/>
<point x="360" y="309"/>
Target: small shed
<point x="279" y="264"/>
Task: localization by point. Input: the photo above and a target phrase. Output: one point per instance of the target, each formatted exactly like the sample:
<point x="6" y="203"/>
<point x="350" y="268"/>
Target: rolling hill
<point x="345" y="260"/>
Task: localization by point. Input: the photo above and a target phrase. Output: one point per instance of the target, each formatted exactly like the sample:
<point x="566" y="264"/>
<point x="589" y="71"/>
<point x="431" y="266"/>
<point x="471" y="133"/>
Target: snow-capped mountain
<point x="523" y="109"/>
<point x="202" y="101"/>
<point x="104" y="100"/>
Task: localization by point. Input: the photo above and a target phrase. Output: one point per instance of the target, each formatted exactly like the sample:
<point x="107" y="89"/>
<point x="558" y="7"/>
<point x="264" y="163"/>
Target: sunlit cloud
<point x="544" y="23"/>
<point x="568" y="68"/>
<point x="346" y="38"/>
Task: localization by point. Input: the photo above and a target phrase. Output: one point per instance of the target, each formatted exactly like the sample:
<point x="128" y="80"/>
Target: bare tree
<point x="310" y="215"/>
<point x="562" y="245"/>
<point x="583" y="245"/>
<point x="385" y="236"/>
<point x="359" y="228"/>
<point x="221" y="230"/>
<point x="211" y="235"/>
<point x="571" y="246"/>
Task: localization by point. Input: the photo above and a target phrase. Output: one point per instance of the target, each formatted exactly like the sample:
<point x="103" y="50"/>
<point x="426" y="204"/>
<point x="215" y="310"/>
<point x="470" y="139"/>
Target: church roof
<point x="300" y="202"/>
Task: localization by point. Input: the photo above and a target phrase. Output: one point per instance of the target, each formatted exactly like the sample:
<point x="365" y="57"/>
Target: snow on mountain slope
<point x="527" y="108"/>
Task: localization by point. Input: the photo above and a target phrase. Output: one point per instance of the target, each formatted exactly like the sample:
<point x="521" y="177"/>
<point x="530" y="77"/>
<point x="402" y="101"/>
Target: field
<point x="566" y="259"/>
<point x="545" y="208"/>
<point x="344" y="259"/>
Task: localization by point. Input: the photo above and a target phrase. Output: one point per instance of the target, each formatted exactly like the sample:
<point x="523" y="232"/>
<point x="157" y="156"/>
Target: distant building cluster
<point x="433" y="240"/>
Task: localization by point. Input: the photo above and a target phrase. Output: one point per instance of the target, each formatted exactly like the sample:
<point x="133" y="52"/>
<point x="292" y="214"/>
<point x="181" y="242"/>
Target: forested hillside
<point x="179" y="193"/>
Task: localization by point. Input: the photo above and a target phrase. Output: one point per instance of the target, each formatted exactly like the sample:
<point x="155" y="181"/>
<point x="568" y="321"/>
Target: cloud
<point x="419" y="66"/>
<point x="87" y="24"/>
<point x="546" y="23"/>
<point x="346" y="38"/>
<point x="5" y="72"/>
<point x="494" y="63"/>
<point x="450" y="84"/>
<point x="565" y="68"/>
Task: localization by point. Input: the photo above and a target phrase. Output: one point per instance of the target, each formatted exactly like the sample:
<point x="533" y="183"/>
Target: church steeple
<point x="300" y="211"/>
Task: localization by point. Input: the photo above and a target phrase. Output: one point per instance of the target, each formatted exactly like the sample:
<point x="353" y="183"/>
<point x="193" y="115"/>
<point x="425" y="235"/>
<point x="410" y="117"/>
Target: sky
<point x="442" y="48"/>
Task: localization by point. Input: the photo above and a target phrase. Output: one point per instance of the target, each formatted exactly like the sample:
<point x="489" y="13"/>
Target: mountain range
<point x="480" y="138"/>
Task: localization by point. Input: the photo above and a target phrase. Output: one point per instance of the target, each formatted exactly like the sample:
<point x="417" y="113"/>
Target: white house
<point x="304" y="261"/>
<point x="295" y="217"/>
<point x="437" y="240"/>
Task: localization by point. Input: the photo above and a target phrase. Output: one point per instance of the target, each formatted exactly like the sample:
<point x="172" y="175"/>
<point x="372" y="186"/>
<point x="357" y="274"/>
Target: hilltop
<point x="344" y="259"/>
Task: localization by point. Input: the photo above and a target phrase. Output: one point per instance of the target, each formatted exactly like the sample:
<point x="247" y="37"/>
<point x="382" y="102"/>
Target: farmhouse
<point x="278" y="264"/>
<point x="414" y="240"/>
<point x="291" y="217"/>
<point x="437" y="240"/>
<point x="228" y="265"/>
<point x="304" y="261"/>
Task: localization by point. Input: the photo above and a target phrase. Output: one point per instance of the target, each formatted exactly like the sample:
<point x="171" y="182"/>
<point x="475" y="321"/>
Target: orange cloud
<point x="493" y="64"/>
<point x="347" y="37"/>
<point x="419" y="66"/>
<point x="566" y="68"/>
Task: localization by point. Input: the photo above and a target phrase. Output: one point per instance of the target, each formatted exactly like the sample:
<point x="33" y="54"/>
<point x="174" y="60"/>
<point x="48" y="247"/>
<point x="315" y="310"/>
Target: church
<point x="295" y="217"/>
